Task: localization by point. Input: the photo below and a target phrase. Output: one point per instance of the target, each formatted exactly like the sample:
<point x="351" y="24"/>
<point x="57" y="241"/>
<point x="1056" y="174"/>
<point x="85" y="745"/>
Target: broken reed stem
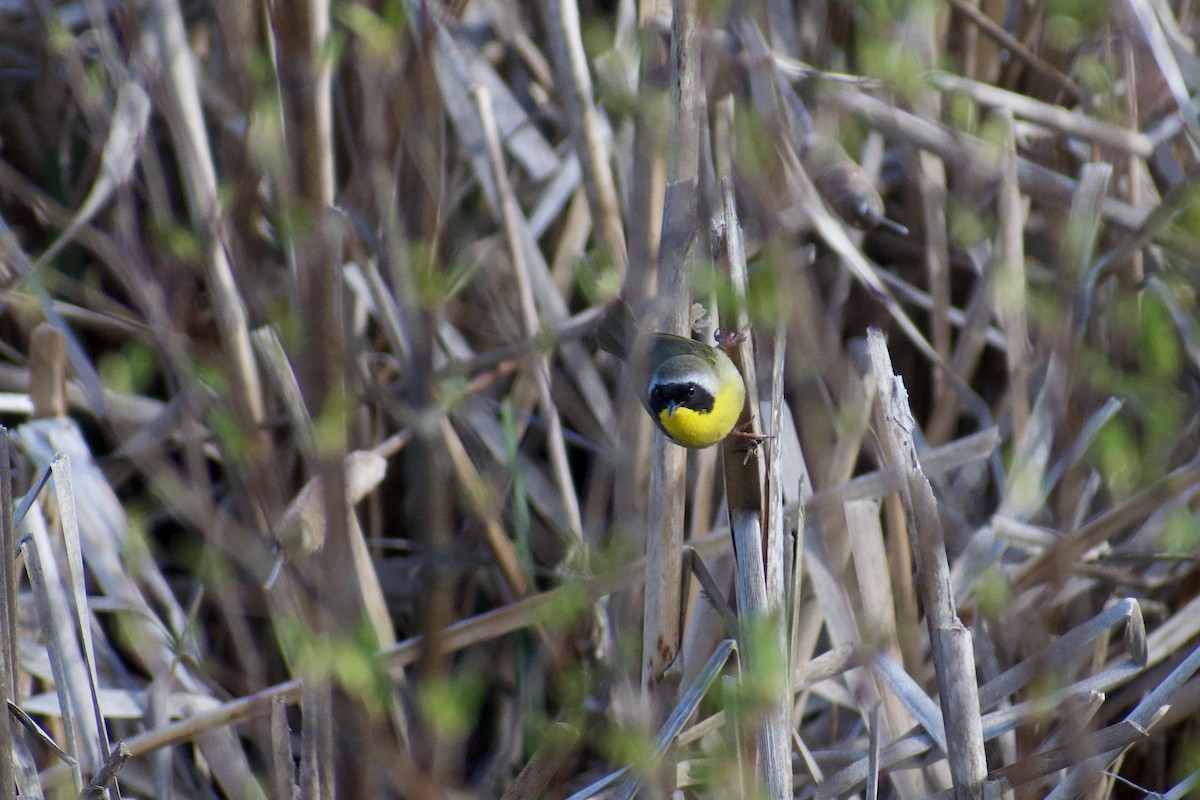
<point x="107" y="774"/>
<point x="950" y="641"/>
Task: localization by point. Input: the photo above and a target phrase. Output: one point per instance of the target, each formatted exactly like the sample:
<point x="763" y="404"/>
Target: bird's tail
<point x="617" y="329"/>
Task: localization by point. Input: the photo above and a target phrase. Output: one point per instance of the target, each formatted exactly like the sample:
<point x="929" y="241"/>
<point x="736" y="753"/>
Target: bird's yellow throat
<point x="701" y="429"/>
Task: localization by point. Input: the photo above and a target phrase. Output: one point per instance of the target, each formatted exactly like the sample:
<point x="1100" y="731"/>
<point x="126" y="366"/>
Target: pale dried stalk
<point x="308" y="526"/>
<point x="960" y="149"/>
<point x="457" y="70"/>
<point x="186" y="123"/>
<point x="1133" y="272"/>
<point x="912" y="295"/>
<point x="999" y="722"/>
<point x="681" y="713"/>
<point x="8" y="613"/>
<point x="949" y="639"/>
<point x="1155" y="225"/>
<point x="304" y="73"/>
<point x="107" y="774"/>
<point x="931" y="181"/>
<point x="1106" y="740"/>
<point x="968" y="350"/>
<point x="81" y="363"/>
<point x="119" y="157"/>
<point x="507" y="558"/>
<point x="316" y="740"/>
<point x="1017" y="48"/>
<point x="511" y="215"/>
<point x="25" y="765"/>
<point x="1070" y="644"/>
<point x="283" y="785"/>
<point x="759" y="575"/>
<point x="75" y="691"/>
<point x="1010" y="289"/>
<point x="1159" y="27"/>
<point x="48" y="371"/>
<point x="190" y="728"/>
<point x="95" y="731"/>
<point x="937" y="462"/>
<point x="1143" y="717"/>
<point x="96" y="530"/>
<point x="1067" y="121"/>
<point x="664" y="550"/>
<point x="279" y="369"/>
<point x="917" y="29"/>
<point x="1003" y="276"/>
<point x="869" y="554"/>
<point x="592" y="143"/>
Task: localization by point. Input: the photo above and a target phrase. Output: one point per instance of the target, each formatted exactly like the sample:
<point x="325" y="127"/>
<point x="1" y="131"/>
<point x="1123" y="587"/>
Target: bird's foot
<point x="729" y="338"/>
<point x="743" y="432"/>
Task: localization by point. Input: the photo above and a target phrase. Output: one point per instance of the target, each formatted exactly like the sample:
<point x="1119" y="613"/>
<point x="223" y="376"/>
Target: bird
<point x="692" y="391"/>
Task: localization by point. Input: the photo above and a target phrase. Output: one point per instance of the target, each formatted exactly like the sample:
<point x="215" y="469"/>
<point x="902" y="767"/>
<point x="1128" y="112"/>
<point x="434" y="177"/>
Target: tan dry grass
<point x="257" y="250"/>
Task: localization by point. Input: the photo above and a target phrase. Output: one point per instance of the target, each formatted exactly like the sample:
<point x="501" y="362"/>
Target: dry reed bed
<point x="261" y="262"/>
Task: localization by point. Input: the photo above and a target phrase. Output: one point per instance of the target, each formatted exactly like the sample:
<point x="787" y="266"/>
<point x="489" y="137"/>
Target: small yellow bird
<point x="692" y="390"/>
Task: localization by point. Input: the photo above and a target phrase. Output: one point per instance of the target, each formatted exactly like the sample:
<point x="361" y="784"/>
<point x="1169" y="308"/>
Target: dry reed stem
<point x="683" y="710"/>
<point x="834" y="233"/>
<point x="536" y="775"/>
<point x="1011" y="291"/>
<point x="950" y="641"/>
<point x="81" y="364"/>
<point x="1047" y="511"/>
<point x="72" y="686"/>
<point x="878" y="612"/>
<point x="514" y="222"/>
<point x="117" y="162"/>
<point x="961" y="150"/>
<point x="916" y="29"/>
<point x="592" y="145"/>
<point x="9" y="664"/>
<point x="1072" y="122"/>
<point x="282" y="765"/>
<point x="1013" y="45"/>
<point x="100" y="784"/>
<point x="680" y="248"/>
<point x="186" y="123"/>
<point x="758" y="544"/>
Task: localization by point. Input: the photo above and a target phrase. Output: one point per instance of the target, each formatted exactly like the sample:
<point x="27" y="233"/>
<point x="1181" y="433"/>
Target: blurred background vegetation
<point x="320" y="488"/>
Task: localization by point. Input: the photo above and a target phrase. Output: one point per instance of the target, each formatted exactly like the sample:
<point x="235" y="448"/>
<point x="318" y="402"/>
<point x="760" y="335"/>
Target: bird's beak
<point x="671" y="406"/>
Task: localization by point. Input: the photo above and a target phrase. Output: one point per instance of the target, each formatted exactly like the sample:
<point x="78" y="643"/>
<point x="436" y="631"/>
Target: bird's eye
<point x="691" y="390"/>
